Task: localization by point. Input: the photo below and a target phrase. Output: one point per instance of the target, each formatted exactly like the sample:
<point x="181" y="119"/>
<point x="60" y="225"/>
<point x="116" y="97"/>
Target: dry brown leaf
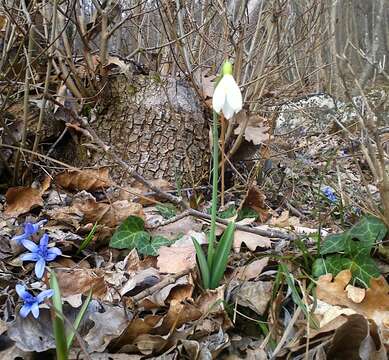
<point x="206" y="82"/>
<point x="255" y="199"/>
<point x="375" y="304"/>
<point x="22" y="199"/>
<point x="87" y="210"/>
<point x="254" y="294"/>
<point x="137" y="189"/>
<point x="176" y="259"/>
<point x="251" y="270"/>
<point x="251" y="240"/>
<point x="355" y="294"/>
<point x="356" y="339"/>
<point x="81" y="281"/>
<point x="182" y="226"/>
<point x="89" y="180"/>
<point x="285" y="221"/>
<point x="211" y="301"/>
<point x="255" y="131"/>
<point x="179" y="313"/>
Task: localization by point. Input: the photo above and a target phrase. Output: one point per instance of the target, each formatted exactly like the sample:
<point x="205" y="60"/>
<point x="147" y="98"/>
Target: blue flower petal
<point x="25" y="310"/>
<point x="40" y="268"/>
<point x="45" y="294"/>
<point x="44" y="240"/>
<point x="35" y="310"/>
<point x="28" y="244"/>
<point x="21" y="291"/>
<point x="19" y="238"/>
<point x="50" y="256"/>
<point x="30" y="257"/>
<point x="30" y="229"/>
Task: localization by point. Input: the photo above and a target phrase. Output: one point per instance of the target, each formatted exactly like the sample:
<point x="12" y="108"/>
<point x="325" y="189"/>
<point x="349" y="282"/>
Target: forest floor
<point x="306" y="212"/>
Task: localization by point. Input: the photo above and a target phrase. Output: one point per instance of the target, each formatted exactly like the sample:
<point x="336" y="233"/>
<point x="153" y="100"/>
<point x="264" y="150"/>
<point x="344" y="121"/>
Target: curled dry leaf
<point x="89" y="180"/>
<point x="108" y="325"/>
<point x="87" y="210"/>
<point x="251" y="240"/>
<point x="254" y="295"/>
<point x="375" y="304"/>
<point x="355" y="294"/>
<point x="81" y="281"/>
<point x="256" y="131"/>
<point x="22" y="199"/>
<point x="285" y="221"/>
<point x="176" y="259"/>
<point x="255" y="199"/>
<point x="356" y="339"/>
<point x="252" y="270"/>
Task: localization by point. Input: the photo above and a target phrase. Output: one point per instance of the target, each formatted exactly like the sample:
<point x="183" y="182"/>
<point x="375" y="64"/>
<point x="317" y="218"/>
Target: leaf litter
<point x="279" y="298"/>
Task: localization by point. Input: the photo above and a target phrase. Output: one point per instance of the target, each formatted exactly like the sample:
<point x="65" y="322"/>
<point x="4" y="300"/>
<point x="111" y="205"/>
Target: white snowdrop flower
<point x="227" y="96"/>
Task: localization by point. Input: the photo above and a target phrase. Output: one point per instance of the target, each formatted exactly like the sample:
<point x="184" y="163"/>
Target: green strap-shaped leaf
<point x="221" y="255"/>
<point x="203" y="264"/>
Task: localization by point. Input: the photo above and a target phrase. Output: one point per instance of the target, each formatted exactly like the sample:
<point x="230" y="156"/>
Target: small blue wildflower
<point x="29" y="230"/>
<point x="31" y="302"/>
<point x="40" y="253"/>
<point x="330" y="194"/>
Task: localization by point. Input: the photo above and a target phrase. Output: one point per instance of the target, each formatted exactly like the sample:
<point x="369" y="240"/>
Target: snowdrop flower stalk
<point x="227" y="98"/>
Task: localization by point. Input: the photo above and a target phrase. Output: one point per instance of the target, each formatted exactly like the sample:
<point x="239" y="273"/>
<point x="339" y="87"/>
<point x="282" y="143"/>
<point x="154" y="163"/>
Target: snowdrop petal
<point x="35" y="310"/>
<point x="234" y="96"/>
<point x="219" y="97"/>
<point x="30" y="257"/>
<point x="44" y="295"/>
<point x="40" y="268"/>
<point x="25" y="310"/>
<point x="228" y="111"/>
<point x="28" y="244"/>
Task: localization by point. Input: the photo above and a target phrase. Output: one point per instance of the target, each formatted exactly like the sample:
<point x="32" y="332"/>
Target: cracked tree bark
<point x="156" y="125"/>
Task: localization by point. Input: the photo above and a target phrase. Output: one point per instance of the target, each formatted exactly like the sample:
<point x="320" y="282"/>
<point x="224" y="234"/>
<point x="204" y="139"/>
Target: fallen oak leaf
<point x="255" y="131"/>
<point x="22" y="199"/>
<point x="251" y="240"/>
<point x="89" y="180"/>
<point x="375" y="304"/>
<point x="251" y="270"/>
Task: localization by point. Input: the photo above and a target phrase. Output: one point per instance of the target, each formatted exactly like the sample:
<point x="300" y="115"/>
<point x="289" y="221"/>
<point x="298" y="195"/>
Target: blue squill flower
<point x="31" y="302"/>
<point x="40" y="254"/>
<point x="329" y="194"/>
<point x="29" y="230"/>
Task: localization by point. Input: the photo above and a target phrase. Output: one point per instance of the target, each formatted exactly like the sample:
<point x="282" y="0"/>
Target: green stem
<point x="215" y="177"/>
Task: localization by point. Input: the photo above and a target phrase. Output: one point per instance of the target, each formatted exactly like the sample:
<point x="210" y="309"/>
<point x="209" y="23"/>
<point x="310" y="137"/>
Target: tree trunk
<point x="156" y="125"/>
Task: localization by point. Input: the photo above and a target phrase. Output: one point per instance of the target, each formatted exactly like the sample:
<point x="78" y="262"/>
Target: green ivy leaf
<point x="362" y="267"/>
<point x="129" y="234"/>
<point x="334" y="243"/>
<point x="332" y="264"/>
<point x="367" y="232"/>
<point x="228" y="213"/>
<point x="362" y="235"/>
<point x="151" y="246"/>
<point x="168" y="211"/>
<point x="247" y="213"/>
